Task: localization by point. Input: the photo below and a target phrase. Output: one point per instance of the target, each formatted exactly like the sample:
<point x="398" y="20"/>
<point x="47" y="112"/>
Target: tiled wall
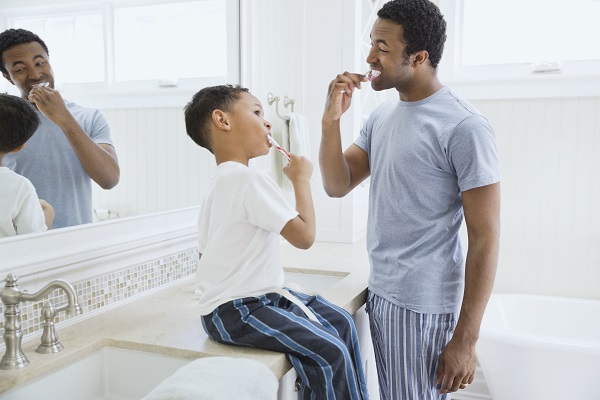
<point x="106" y="290"/>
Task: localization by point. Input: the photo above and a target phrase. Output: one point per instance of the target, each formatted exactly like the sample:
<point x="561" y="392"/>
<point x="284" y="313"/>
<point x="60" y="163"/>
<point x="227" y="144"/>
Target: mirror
<point x="161" y="168"/>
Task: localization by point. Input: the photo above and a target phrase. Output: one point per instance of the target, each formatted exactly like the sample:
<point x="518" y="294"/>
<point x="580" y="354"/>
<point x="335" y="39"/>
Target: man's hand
<point x="456" y="367"/>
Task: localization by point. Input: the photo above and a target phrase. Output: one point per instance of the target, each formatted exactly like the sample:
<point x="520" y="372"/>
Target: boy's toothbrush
<point x="278" y="147"/>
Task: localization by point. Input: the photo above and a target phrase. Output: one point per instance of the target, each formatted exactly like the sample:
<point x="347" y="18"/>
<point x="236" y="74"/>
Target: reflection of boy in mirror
<point x="20" y="209"/>
<point x="72" y="145"/>
<point x="240" y="277"/>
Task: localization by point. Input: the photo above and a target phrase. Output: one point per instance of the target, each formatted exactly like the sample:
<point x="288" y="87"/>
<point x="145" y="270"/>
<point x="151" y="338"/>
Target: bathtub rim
<point x="540" y="341"/>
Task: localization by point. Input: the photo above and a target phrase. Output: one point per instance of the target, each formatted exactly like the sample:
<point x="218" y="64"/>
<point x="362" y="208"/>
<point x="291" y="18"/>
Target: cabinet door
<point x="288" y="389"/>
<point x="361" y="320"/>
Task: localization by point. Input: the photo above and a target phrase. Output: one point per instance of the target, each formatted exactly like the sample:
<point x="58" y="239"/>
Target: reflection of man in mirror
<point x="71" y="147"/>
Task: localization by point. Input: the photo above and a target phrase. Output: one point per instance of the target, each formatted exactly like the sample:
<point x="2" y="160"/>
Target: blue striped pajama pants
<point x="407" y="346"/>
<point x="326" y="355"/>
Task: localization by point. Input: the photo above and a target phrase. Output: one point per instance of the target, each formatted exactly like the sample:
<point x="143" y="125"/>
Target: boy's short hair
<point x="198" y="112"/>
<point x="14" y="37"/>
<point x="18" y="122"/>
<point x="423" y="24"/>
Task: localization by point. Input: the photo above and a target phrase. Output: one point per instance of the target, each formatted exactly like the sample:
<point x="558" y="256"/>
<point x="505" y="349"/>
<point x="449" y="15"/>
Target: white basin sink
<point x="311" y="281"/>
<point x="107" y="374"/>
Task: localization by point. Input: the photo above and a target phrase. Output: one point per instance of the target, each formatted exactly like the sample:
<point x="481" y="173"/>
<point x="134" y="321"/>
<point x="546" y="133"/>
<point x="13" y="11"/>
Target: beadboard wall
<point x="549" y="149"/>
<point x="161" y="167"/>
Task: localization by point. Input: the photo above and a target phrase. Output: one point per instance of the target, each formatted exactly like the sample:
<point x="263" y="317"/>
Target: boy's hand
<point x="298" y="169"/>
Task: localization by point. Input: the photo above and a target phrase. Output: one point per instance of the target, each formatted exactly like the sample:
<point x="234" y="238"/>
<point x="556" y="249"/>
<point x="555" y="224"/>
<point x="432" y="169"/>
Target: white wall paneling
<point x="549" y="149"/>
<point x="161" y="167"/>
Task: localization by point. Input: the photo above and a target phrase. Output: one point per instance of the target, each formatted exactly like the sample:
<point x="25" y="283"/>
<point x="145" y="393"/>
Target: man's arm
<point x="99" y="160"/>
<point x="341" y="172"/>
<point x="482" y="216"/>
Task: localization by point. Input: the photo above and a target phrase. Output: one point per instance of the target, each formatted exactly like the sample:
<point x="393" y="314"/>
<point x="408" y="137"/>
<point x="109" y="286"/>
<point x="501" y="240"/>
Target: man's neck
<point x="420" y="89"/>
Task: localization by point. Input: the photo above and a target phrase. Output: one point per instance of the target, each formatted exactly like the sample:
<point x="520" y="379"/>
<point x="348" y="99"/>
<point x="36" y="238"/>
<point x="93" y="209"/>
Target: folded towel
<point x="218" y="378"/>
<point x="298" y="139"/>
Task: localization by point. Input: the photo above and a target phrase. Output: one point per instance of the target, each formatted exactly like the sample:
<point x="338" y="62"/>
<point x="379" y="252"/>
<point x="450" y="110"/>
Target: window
<point x="540" y="47"/>
<point x="137" y="52"/>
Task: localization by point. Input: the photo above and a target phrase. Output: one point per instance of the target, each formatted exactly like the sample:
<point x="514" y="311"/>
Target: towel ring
<point x="286" y="101"/>
<point x="289" y="102"/>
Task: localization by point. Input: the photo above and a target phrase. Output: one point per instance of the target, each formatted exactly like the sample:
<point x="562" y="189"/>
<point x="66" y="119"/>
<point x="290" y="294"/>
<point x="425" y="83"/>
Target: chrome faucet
<point x="12" y="295"/>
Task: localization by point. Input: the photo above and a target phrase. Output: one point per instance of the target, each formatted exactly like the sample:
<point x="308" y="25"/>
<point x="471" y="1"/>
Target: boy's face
<point x="27" y="65"/>
<point x="251" y="128"/>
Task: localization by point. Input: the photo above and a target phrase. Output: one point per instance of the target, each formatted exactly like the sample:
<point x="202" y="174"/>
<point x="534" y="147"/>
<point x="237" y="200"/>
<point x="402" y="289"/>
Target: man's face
<point x="253" y="128"/>
<point x="387" y="55"/>
<point x="27" y="65"/>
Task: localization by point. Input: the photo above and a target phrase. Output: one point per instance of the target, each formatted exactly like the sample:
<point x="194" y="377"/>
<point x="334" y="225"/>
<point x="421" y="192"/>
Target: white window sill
<point x="534" y="86"/>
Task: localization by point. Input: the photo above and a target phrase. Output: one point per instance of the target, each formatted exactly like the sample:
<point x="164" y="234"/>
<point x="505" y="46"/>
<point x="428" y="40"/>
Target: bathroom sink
<point x="112" y="373"/>
<point x="107" y="374"/>
<point x="310" y="281"/>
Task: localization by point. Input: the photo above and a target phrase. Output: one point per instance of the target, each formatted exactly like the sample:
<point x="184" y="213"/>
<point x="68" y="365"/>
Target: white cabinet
<point x="289" y="390"/>
<point x="361" y="320"/>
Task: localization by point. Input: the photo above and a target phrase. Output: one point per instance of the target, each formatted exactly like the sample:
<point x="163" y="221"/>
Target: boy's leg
<point x="338" y="320"/>
<point x="272" y="322"/>
<point x="407" y="347"/>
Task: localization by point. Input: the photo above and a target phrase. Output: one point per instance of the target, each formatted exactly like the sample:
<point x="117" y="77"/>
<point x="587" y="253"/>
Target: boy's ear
<point x="221" y="120"/>
<point x="18" y="148"/>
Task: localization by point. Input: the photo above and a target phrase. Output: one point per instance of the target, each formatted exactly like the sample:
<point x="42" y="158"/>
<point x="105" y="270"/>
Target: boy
<point x="240" y="279"/>
<point x="20" y="209"/>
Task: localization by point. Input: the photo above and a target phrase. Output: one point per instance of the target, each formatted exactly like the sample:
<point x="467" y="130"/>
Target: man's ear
<point x="420" y="57"/>
<point x="221" y="120"/>
<point x="7" y="77"/>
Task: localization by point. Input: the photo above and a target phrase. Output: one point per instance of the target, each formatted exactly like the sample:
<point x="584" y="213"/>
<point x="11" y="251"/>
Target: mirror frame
<point x="33" y="253"/>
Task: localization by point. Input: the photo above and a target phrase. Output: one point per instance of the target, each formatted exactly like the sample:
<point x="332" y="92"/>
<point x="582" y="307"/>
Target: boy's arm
<point x="48" y="213"/>
<point x="301" y="231"/>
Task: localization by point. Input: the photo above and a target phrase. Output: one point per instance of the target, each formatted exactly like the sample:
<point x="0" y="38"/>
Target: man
<point x="71" y="147"/>
<point x="431" y="157"/>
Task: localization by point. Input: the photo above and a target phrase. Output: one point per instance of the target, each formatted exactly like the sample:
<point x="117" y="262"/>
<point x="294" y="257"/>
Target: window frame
<point x="130" y="94"/>
<point x="576" y="78"/>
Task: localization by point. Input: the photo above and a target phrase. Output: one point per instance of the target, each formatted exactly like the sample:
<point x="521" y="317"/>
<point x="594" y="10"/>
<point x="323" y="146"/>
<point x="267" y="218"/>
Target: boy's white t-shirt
<point x="20" y="209"/>
<point x="241" y="218"/>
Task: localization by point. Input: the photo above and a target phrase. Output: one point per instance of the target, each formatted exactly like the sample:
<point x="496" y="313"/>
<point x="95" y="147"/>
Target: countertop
<point x="167" y="322"/>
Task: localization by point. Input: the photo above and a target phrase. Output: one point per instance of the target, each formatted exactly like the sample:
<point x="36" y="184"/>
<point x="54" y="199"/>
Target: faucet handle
<point x="11" y="280"/>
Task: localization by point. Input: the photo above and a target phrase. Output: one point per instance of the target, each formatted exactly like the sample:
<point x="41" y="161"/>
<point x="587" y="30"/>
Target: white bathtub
<point x="540" y="347"/>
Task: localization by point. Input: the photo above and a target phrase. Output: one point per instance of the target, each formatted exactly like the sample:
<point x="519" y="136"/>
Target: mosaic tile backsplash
<point x="103" y="290"/>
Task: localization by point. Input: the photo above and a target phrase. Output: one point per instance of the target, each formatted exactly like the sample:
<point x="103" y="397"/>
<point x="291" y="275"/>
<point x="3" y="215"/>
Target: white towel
<point x="298" y="140"/>
<point x="218" y="378"/>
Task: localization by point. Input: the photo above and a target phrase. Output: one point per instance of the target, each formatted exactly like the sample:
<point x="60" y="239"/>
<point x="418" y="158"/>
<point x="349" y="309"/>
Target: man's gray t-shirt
<point x="50" y="163"/>
<point x="422" y="155"/>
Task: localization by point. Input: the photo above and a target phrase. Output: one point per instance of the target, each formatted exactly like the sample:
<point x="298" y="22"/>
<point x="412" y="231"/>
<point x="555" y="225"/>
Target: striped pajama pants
<point x="407" y="346"/>
<point x="326" y="355"/>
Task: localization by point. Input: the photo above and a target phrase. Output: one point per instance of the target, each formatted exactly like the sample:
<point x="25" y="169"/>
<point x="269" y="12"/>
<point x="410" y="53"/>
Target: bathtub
<point x="540" y="347"/>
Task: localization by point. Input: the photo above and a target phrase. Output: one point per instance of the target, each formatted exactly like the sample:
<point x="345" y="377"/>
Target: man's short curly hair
<point x="19" y="121"/>
<point x="14" y="37"/>
<point x="198" y="111"/>
<point x="423" y="24"/>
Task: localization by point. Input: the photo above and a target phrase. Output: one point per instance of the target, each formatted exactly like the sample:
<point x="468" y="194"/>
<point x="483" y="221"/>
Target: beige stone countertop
<point x="167" y="321"/>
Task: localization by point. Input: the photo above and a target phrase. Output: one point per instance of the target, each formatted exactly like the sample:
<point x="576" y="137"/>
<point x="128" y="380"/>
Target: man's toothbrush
<point x="278" y="147"/>
<point x="370" y="74"/>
